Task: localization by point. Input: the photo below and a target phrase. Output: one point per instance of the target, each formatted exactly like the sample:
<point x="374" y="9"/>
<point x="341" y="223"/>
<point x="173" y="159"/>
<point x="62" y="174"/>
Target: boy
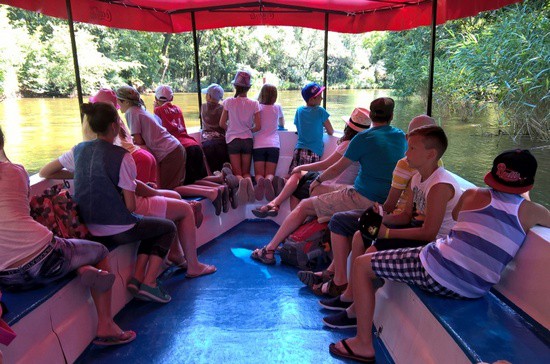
<point x="31" y="256"/>
<point x="173" y="121"/>
<point x="309" y="121"/>
<point x="435" y="193"/>
<point x="497" y="219"/>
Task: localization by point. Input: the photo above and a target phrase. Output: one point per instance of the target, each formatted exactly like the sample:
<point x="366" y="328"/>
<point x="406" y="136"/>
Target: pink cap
<point x="105" y="95"/>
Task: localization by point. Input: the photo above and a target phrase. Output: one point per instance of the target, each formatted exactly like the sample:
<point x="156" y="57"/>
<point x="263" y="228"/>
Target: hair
<point x="100" y="116"/>
<point x="1" y="139"/>
<point x="239" y="90"/>
<point x="268" y="94"/>
<point x="381" y="110"/>
<point x="349" y="133"/>
<point x="434" y="138"/>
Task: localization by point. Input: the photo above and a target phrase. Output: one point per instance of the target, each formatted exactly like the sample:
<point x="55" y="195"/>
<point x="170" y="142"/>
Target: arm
<point x="318" y="166"/>
<point x="55" y="170"/>
<point x="335" y="170"/>
<point x="129" y="200"/>
<point x="257" y="122"/>
<point x="223" y="120"/>
<point x="328" y="127"/>
<point x="144" y="190"/>
<point x="531" y="214"/>
<point x="391" y="200"/>
<point x="138" y="139"/>
<point x="282" y="121"/>
<point x="404" y="217"/>
<point x="436" y="204"/>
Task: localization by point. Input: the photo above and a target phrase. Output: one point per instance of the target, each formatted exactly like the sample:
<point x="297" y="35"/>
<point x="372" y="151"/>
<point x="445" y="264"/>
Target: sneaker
<point x="334" y="304"/>
<point x="242" y="193"/>
<point x="259" y="190"/>
<point x="269" y="190"/>
<point x="340" y="321"/>
<point x="250" y="190"/>
<point x="155" y="294"/>
<point x="278" y="185"/>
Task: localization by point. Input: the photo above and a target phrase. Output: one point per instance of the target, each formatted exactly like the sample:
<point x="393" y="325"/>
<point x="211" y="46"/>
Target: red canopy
<point x="174" y="16"/>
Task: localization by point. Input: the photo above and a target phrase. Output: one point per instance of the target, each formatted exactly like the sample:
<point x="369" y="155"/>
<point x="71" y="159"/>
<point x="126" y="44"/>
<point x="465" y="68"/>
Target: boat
<point x="249" y="313"/>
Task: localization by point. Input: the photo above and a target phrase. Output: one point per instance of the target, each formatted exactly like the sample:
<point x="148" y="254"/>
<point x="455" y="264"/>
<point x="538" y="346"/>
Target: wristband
<point x="387" y="234"/>
<point x="318" y="179"/>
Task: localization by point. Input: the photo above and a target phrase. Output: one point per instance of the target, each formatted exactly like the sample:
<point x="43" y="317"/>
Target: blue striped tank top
<point x="470" y="260"/>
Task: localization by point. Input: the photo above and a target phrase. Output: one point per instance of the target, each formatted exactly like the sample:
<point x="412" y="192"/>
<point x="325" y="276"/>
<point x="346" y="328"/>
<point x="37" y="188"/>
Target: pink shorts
<point x="146" y="166"/>
<point x="154" y="206"/>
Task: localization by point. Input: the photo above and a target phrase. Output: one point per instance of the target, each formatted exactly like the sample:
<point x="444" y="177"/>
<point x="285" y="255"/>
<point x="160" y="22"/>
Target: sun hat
<point x="513" y="172"/>
<point x="243" y="79"/>
<point x="164" y="93"/>
<point x="105" y="95"/>
<point x="359" y="119"/>
<point x="312" y="89"/>
<point x="381" y="108"/>
<point x="214" y="90"/>
<point x="128" y="93"/>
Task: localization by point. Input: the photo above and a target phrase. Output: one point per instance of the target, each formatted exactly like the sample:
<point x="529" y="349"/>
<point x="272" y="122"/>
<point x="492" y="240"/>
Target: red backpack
<point x="308" y="247"/>
<point x="56" y="210"/>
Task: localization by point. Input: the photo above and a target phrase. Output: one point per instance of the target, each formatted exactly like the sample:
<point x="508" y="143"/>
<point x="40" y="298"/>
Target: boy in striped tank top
<point x="491" y="226"/>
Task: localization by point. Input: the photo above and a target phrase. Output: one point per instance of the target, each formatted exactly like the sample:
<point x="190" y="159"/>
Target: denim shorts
<point x="240" y="146"/>
<point x="60" y="257"/>
<point x="270" y="155"/>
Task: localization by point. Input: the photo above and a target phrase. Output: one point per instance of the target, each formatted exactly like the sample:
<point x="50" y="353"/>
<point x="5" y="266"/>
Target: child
<point x="266" y="142"/>
<point x="213" y="136"/>
<point x="31" y="256"/>
<point x="489" y="221"/>
<point x="173" y="121"/>
<point x="146" y="130"/>
<point x="240" y="118"/>
<point x="309" y="121"/>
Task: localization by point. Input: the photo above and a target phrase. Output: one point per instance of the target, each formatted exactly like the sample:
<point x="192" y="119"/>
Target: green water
<point x="39" y="130"/>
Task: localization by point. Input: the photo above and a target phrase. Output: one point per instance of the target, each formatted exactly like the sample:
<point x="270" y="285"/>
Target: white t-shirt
<point x="422" y="189"/>
<point x="347" y="177"/>
<point x="159" y="141"/>
<point x="20" y="235"/>
<point x="240" y="112"/>
<point x="126" y="181"/>
<point x="268" y="137"/>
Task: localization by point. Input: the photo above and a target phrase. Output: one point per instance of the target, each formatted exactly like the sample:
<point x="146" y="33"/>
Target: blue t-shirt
<point x="309" y="124"/>
<point x="377" y="150"/>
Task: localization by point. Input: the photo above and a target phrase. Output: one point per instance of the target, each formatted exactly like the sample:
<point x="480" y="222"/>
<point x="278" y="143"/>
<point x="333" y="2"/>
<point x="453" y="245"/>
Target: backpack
<point x="308" y="247"/>
<point x="56" y="210"/>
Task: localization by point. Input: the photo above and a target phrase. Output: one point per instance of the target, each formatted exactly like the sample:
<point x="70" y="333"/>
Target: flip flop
<point x="182" y="265"/>
<point x="124" y="338"/>
<point x="98" y="279"/>
<point x="349" y="354"/>
<point x="208" y="269"/>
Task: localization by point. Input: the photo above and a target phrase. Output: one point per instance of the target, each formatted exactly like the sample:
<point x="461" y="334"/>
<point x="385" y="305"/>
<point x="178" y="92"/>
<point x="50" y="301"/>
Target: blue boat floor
<point x="244" y="313"/>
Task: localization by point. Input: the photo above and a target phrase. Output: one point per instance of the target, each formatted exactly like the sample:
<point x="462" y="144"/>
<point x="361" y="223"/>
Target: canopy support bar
<point x="75" y="55"/>
<point x="432" y="59"/>
<point x="325" y="62"/>
<point x="197" y="68"/>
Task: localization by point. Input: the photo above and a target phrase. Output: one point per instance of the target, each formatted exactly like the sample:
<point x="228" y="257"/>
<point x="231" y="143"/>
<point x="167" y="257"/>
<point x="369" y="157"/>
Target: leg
<point x="236" y="164"/>
<point x="357" y="249"/>
<point x="246" y="161"/>
<point x="259" y="169"/>
<point x="193" y="190"/>
<point x="270" y="169"/>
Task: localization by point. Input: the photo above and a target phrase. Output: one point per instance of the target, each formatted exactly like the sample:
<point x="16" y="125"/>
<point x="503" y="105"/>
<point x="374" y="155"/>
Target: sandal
<point x="261" y="255"/>
<point x="310" y="278"/>
<point x="329" y="289"/>
<point x="266" y="210"/>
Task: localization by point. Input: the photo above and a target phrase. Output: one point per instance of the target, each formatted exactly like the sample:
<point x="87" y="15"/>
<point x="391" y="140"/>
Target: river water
<point x="39" y="130"/>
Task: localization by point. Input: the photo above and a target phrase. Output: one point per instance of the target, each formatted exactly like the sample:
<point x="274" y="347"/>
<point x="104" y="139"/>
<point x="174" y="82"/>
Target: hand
<point x="312" y="186"/>
<point x="296" y="170"/>
<point x="382" y="231"/>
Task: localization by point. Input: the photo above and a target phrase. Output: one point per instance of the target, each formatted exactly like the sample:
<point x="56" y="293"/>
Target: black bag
<point x="308" y="247"/>
<point x="370" y="222"/>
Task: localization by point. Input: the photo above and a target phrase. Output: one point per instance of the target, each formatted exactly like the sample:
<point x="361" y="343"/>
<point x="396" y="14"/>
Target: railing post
<point x="197" y="69"/>
<point x="432" y="59"/>
<point x="75" y="55"/>
<point x="325" y="65"/>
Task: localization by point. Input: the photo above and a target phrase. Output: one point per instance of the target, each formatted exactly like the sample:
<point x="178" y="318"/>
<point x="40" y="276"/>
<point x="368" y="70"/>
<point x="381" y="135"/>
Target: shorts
<point x="303" y="156"/>
<point x="342" y="200"/>
<point x="240" y="146"/>
<point x="302" y="190"/>
<point x="270" y="155"/>
<point x="195" y="169"/>
<point x="172" y="169"/>
<point x="345" y="223"/>
<point x="151" y="206"/>
<point x="216" y="154"/>
<point x="60" y="257"/>
<point x="404" y="265"/>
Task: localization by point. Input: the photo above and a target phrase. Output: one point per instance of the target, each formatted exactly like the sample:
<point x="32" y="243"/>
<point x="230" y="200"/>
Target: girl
<point x="240" y="118"/>
<point x="266" y="142"/>
<point x="146" y="130"/>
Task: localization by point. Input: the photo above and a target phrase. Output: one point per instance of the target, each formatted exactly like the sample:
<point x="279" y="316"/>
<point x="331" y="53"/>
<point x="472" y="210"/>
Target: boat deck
<point x="244" y="313"/>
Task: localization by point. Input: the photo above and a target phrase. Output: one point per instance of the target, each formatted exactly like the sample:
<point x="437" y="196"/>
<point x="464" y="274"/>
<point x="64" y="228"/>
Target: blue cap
<point x="310" y="90"/>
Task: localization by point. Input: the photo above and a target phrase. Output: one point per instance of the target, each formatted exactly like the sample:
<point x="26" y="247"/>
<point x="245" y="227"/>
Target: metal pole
<point x="432" y="59"/>
<point x="197" y="70"/>
<point x="75" y="55"/>
<point x="325" y="62"/>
